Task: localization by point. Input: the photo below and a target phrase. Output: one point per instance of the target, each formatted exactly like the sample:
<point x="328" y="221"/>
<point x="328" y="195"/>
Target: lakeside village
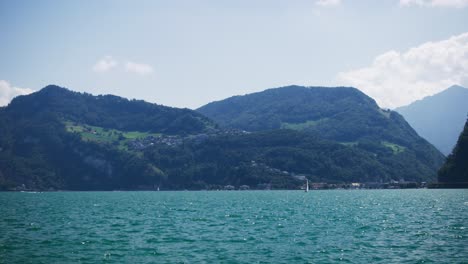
<point x="329" y="186"/>
<point x="268" y="186"/>
<point x="173" y="141"/>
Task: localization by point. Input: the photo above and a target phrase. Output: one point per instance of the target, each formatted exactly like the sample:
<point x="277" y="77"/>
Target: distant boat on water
<point x="307" y="186"/>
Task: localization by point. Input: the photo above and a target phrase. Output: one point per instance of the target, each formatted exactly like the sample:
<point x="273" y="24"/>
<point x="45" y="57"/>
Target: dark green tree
<point x="455" y="169"/>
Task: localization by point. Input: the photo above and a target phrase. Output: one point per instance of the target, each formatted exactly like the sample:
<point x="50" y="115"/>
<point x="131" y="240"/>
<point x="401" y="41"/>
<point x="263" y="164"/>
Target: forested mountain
<point x="277" y="157"/>
<point x="42" y="146"/>
<point x="59" y="139"/>
<point x="108" y="111"/>
<point x="455" y="169"/>
<point x="345" y="115"/>
<point x="439" y="118"/>
<point x="342" y="114"/>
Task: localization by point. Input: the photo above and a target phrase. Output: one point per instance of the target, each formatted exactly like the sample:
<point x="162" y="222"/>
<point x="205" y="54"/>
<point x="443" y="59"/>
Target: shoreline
<point x="439" y="186"/>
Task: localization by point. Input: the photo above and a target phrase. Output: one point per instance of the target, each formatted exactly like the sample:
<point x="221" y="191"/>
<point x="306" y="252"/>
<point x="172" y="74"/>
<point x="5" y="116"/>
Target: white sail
<point x="307" y="186"/>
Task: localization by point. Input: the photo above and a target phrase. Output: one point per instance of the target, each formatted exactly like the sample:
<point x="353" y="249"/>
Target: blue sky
<point x="189" y="53"/>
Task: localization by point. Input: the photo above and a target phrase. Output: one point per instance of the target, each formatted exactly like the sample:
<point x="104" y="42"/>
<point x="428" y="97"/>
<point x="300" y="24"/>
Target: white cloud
<point x="8" y="92"/>
<point x="435" y="3"/>
<point x="399" y="78"/>
<point x="328" y="3"/>
<point x="105" y="64"/>
<point x="139" y="68"/>
<point x="108" y="63"/>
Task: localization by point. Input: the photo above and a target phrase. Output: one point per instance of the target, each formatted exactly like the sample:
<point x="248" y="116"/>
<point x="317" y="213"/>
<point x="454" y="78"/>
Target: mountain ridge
<point x="121" y="113"/>
<point x="439" y="118"/>
<point x="59" y="139"/>
<point x="322" y="107"/>
<point x="344" y="115"/>
<point x="38" y="149"/>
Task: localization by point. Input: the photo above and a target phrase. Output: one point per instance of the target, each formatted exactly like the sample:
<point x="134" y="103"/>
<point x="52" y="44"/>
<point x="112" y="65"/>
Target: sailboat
<point x="307" y="186"/>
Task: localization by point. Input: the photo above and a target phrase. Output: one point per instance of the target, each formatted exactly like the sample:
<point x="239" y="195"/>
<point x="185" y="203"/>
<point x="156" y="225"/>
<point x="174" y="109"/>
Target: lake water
<point x="362" y="226"/>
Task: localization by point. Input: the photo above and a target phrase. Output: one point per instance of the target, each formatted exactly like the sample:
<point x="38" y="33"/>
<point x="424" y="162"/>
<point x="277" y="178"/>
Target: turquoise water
<point x="364" y="226"/>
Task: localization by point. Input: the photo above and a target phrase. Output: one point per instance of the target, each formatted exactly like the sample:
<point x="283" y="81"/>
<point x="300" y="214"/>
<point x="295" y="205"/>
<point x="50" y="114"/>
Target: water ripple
<point x="379" y="226"/>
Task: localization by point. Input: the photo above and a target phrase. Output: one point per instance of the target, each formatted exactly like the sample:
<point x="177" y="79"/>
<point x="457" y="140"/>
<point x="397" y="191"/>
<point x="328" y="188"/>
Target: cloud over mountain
<point x="435" y="3"/>
<point x="398" y="78"/>
<point x="108" y="63"/>
<point x="8" y="92"/>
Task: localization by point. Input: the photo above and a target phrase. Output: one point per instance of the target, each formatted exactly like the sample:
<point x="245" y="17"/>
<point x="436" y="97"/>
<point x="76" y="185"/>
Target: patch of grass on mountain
<point x="302" y="126"/>
<point x="349" y="144"/>
<point x="104" y="135"/>
<point x="397" y="149"/>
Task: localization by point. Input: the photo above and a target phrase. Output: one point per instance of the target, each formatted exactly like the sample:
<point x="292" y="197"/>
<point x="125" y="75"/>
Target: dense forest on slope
<point x="59" y="139"/>
<point x="108" y="111"/>
<point x="277" y="156"/>
<point x="36" y="149"/>
<point x="455" y="169"/>
<point x="40" y="154"/>
<point x="439" y="118"/>
<point x="341" y="114"/>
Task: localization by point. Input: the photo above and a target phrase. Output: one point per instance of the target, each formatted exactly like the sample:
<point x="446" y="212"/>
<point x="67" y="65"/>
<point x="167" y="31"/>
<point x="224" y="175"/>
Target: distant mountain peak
<point x="453" y="89"/>
<point x="456" y="86"/>
<point x="439" y="118"/>
<point x="53" y="88"/>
